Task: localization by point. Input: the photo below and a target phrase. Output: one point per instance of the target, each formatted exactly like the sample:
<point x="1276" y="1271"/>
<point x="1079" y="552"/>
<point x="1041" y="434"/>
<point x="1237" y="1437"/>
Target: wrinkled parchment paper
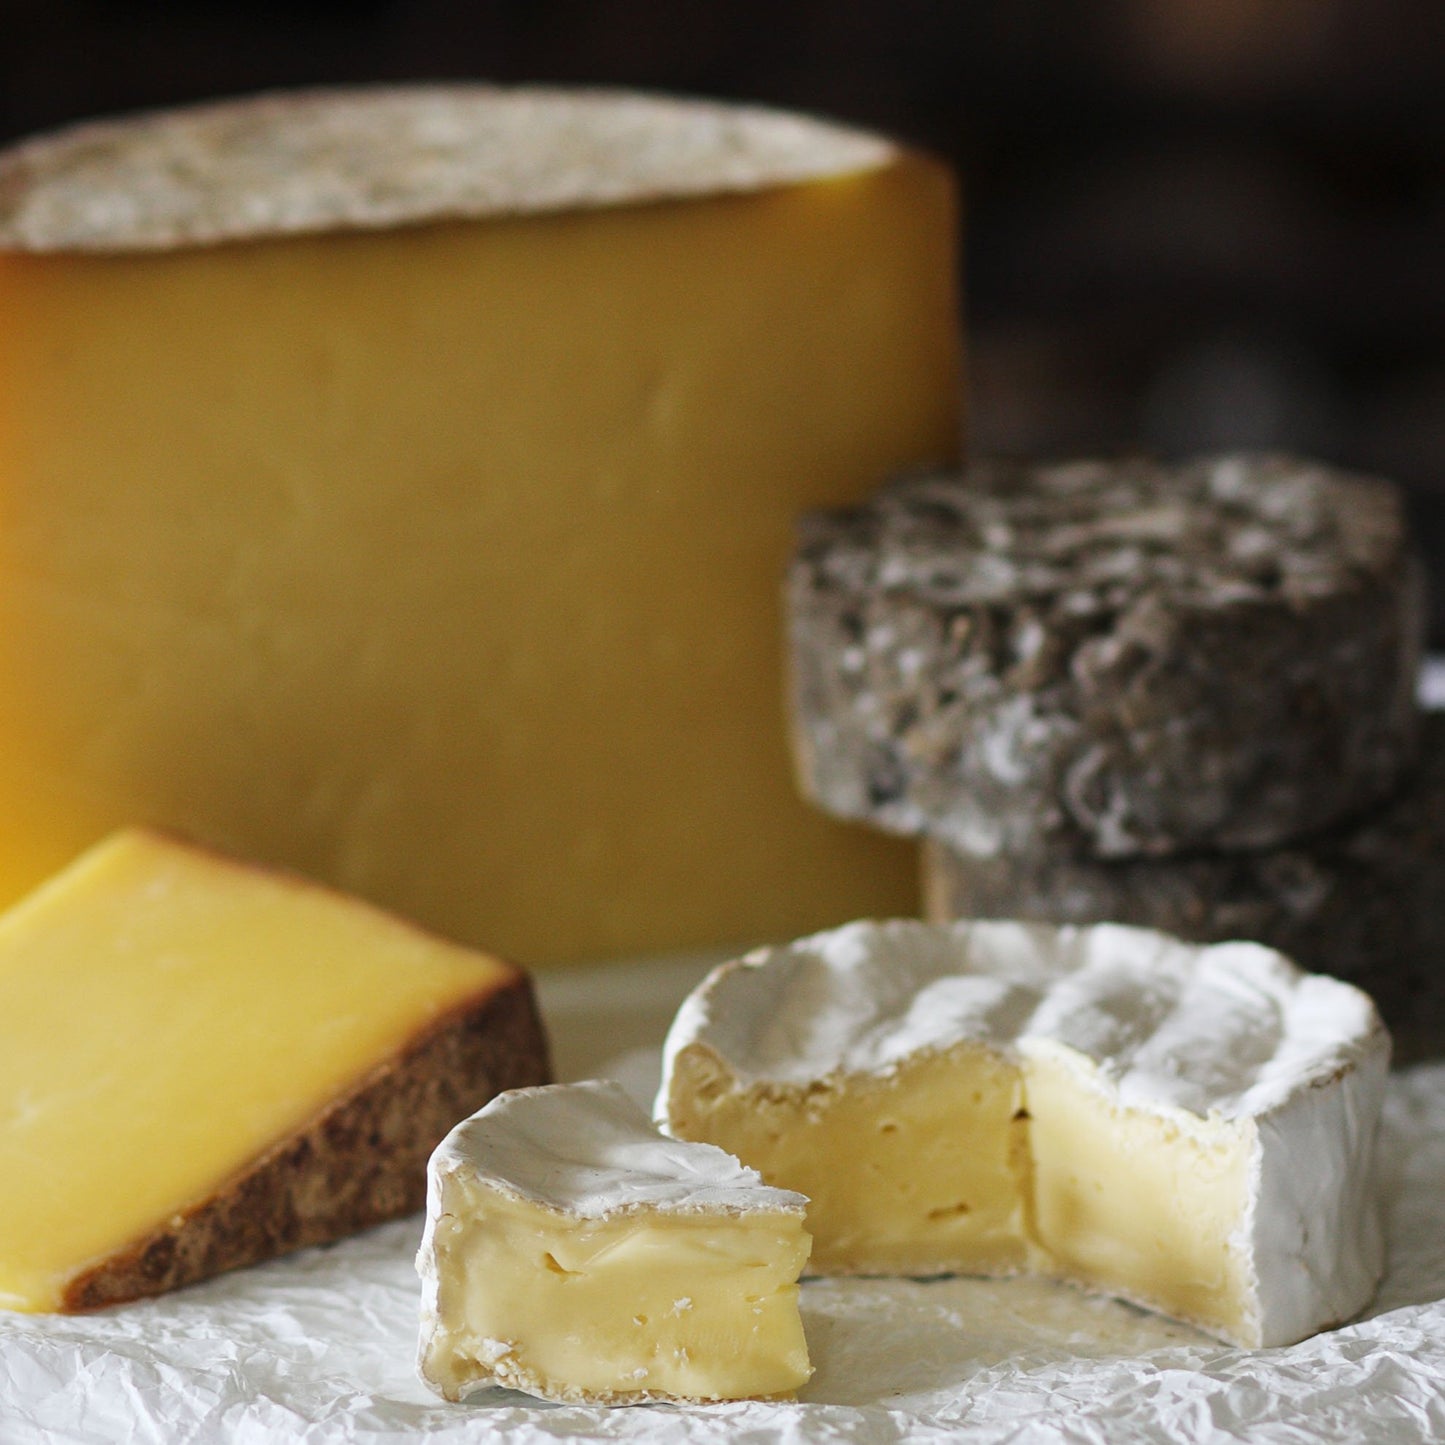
<point x="319" y="1347"/>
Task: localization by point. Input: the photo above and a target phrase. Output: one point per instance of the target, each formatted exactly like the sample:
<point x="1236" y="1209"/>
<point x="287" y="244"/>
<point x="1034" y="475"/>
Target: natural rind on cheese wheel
<point x="1191" y="1128"/>
<point x="395" y="483"/>
<point x="573" y="1252"/>
<point x="312" y="162"/>
<point x="1107" y="659"/>
<point x="1360" y="900"/>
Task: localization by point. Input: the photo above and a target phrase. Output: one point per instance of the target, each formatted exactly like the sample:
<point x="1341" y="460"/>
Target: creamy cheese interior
<point x="1142" y="1205"/>
<point x="700" y="1304"/>
<point x="967" y="1162"/>
<point x="892" y="1187"/>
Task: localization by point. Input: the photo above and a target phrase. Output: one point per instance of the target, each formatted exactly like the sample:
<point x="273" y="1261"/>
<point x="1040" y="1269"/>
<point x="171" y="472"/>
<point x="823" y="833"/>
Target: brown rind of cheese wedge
<point x="358" y="1162"/>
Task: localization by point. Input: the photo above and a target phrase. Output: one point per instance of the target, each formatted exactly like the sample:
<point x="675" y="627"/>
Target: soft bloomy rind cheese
<point x="573" y="1252"/>
<point x="394" y="485"/>
<point x="203" y="1065"/>
<point x="1193" y="1127"/>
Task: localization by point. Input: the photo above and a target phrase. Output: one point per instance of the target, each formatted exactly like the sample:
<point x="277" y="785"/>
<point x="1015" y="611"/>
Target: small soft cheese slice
<point x="394" y="485"/>
<point x="203" y="1064"/>
<point x="574" y="1252"/>
<point x="1189" y="1128"/>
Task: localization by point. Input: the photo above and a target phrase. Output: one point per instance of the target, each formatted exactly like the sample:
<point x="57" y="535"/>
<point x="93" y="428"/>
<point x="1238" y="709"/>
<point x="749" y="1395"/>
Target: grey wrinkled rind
<point x="1360" y="901"/>
<point x="1107" y="660"/>
<point x="322" y="160"/>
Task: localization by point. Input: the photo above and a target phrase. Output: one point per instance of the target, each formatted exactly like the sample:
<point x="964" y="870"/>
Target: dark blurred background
<point x="1192" y="223"/>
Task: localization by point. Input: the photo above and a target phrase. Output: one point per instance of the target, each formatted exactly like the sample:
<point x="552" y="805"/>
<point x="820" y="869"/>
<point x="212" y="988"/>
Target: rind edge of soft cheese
<point x="855" y="1000"/>
<point x="588" y="1151"/>
<point x="310" y="161"/>
<point x="583" y="1151"/>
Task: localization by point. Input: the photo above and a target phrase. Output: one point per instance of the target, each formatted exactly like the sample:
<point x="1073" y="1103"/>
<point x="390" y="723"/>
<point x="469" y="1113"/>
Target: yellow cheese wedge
<point x="203" y="1064"/>
<point x="397" y="487"/>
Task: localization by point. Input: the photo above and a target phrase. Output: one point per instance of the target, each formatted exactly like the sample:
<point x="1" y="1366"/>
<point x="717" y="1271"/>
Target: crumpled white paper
<point x="320" y="1346"/>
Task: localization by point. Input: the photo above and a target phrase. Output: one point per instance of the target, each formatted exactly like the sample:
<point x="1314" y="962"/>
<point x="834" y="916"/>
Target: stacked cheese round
<point x="1357" y="900"/>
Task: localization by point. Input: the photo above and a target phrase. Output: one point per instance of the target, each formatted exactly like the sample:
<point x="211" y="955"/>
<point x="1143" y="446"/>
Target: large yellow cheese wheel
<point x="396" y="486"/>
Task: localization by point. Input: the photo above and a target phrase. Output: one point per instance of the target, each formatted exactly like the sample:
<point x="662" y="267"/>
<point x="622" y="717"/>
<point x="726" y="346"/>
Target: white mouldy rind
<point x="1229" y="1046"/>
<point x="588" y="1151"/>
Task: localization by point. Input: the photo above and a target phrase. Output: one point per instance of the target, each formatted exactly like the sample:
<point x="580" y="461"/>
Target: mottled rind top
<point x="1103" y="535"/>
<point x="314" y="161"/>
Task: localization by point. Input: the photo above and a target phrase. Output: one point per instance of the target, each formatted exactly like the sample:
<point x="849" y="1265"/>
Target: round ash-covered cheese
<point x="1110" y="659"/>
<point x="1358" y="900"/>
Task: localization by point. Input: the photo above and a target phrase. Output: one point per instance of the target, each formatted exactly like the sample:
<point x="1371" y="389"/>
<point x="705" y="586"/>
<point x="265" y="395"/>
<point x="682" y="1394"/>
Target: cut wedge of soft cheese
<point x="574" y="1252"/>
<point x="394" y="485"/>
<point x="204" y="1064"/>
<point x="1190" y="1128"/>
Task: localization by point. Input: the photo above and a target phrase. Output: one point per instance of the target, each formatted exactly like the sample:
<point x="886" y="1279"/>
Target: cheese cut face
<point x="1189" y="1128"/>
<point x="203" y="1064"/>
<point x="573" y="1252"/>
<point x="1144" y="1205"/>
<point x="878" y="1156"/>
<point x="395" y="486"/>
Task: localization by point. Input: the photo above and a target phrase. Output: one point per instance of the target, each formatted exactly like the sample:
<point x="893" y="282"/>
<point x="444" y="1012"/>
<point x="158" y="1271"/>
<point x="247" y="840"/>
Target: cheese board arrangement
<point x="450" y="535"/>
